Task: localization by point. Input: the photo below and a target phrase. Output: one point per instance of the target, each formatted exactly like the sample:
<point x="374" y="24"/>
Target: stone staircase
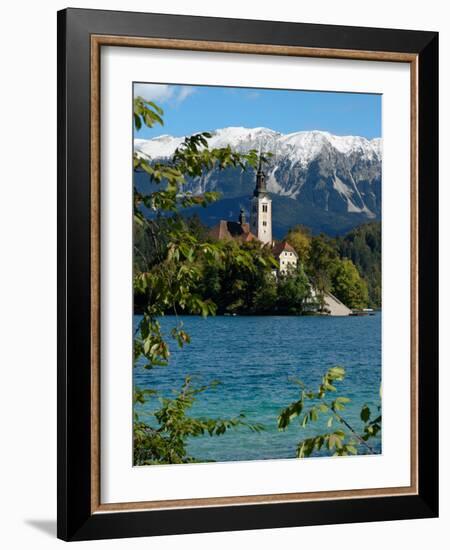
<point x="335" y="306"/>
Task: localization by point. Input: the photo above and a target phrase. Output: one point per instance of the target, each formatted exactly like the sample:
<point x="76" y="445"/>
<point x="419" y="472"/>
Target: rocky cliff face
<point x="325" y="176"/>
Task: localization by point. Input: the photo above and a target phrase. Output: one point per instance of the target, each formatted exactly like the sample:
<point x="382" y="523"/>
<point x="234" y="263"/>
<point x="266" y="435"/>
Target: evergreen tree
<point x="363" y="247"/>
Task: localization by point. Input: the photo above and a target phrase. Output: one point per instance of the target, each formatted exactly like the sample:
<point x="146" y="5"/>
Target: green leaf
<point x="343" y="399"/>
<point x="365" y="413"/>
<point x="336" y="373"/>
<point x="333" y="440"/>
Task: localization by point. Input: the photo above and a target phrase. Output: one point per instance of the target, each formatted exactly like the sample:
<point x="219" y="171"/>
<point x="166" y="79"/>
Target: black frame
<point x="75" y="521"/>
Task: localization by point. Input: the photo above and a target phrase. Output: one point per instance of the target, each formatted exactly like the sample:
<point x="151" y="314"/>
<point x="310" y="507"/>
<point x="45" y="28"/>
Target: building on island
<point x="260" y="229"/>
<point x="261" y="209"/>
<point x="286" y="257"/>
<point x="260" y="226"/>
<point x="227" y="230"/>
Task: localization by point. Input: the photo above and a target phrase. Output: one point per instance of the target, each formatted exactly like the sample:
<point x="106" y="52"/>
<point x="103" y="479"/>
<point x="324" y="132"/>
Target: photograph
<point x="247" y="273"/>
<point x="257" y="273"/>
<point x="224" y="266"/>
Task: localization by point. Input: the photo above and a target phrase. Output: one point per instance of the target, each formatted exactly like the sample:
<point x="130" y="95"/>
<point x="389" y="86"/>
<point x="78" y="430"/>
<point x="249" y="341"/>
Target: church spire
<point x="260" y="188"/>
<point x="261" y="210"/>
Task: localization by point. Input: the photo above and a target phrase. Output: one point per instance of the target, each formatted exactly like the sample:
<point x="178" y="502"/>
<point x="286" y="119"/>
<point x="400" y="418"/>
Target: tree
<point x="167" y="275"/>
<point x="174" y="265"/>
<point x="265" y="298"/>
<point x="348" y="285"/>
<point x="312" y="405"/>
<point x="197" y="228"/>
<point x="167" y="442"/>
<point x="299" y="237"/>
<point x="238" y="278"/>
<point x="294" y="292"/>
<point x="363" y="247"/>
<point x="321" y="257"/>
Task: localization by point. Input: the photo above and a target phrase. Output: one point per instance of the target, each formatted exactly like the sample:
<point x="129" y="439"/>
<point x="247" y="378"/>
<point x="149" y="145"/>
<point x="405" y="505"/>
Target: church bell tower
<point x="261" y="209"/>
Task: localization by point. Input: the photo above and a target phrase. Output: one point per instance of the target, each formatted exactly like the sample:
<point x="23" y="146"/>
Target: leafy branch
<point x="311" y="405"/>
<point x="172" y="277"/>
<point x="169" y="284"/>
<point x="167" y="443"/>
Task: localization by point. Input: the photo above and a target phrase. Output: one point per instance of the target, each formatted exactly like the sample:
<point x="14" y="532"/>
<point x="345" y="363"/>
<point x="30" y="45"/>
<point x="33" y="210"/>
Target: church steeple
<point x="260" y="188"/>
<point x="261" y="211"/>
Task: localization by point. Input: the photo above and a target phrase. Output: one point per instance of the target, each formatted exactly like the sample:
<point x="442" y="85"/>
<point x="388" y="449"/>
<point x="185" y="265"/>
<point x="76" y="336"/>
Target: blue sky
<point x="191" y="109"/>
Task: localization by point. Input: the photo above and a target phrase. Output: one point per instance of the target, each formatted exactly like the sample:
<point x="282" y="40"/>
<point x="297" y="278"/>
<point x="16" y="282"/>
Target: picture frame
<point x="81" y="36"/>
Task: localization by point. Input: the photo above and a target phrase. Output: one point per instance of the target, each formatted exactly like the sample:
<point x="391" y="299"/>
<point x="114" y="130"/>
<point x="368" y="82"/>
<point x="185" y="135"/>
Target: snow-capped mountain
<point x="326" y="173"/>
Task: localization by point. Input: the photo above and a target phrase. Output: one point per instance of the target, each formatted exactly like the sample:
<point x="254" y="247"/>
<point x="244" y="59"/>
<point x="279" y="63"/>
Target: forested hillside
<point x="363" y="247"/>
<point x="348" y="266"/>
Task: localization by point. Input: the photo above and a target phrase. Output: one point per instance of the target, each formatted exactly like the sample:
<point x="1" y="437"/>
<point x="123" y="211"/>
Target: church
<point x="261" y="209"/>
<point x="260" y="229"/>
<point x="260" y="226"/>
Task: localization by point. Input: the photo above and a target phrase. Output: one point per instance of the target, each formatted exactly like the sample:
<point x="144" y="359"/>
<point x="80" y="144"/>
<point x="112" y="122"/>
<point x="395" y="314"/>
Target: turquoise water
<point x="254" y="358"/>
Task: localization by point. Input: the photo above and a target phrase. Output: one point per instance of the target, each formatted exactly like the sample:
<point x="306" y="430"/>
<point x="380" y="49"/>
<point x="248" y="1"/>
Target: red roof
<point x="232" y="230"/>
<point x="283" y="247"/>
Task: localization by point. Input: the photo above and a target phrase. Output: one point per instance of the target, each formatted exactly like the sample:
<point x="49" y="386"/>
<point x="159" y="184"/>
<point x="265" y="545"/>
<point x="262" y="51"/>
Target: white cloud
<point x="163" y="92"/>
<point x="154" y="92"/>
<point x="184" y="92"/>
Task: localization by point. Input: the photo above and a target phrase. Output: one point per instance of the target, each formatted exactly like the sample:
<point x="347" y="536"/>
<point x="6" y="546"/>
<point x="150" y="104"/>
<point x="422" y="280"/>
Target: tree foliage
<point x="363" y="247"/>
<point x="169" y="266"/>
<point x="329" y="271"/>
<point x="179" y="269"/>
<point x="294" y="292"/>
<point x="299" y="237"/>
<point x="239" y="278"/>
<point x="166" y="278"/>
<point x="165" y="441"/>
<point x="313" y="405"/>
<point x="348" y="285"/>
<point x="321" y="257"/>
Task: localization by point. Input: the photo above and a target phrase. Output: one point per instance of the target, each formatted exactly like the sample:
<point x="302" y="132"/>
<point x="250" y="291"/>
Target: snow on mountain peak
<point x="300" y="147"/>
<point x="327" y="172"/>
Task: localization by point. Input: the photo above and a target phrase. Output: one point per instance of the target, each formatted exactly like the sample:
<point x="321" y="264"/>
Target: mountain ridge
<point x="327" y="174"/>
<point x="304" y="144"/>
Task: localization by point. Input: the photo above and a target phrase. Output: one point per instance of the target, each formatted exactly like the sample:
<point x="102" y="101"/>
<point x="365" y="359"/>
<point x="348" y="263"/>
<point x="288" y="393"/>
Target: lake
<point x="255" y="359"/>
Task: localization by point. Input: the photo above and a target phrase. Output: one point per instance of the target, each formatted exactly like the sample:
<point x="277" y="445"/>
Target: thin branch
<point x="360" y="439"/>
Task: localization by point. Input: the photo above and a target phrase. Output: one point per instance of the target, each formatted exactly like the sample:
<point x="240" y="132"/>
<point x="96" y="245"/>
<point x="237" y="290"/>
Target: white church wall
<point x="261" y="219"/>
